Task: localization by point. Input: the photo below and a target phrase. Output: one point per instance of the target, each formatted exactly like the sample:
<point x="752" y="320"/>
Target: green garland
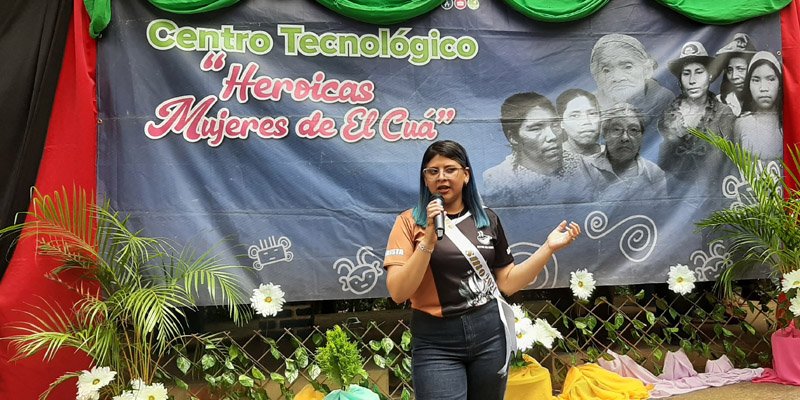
<point x="387" y="12"/>
<point x="724" y="12"/>
<point x="381" y="12"/>
<point x="191" y="6"/>
<point x="556" y="11"/>
<point x="99" y="15"/>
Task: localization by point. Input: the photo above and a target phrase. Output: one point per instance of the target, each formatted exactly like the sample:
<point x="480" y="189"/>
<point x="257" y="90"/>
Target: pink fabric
<point x="677" y="366"/>
<point x="785" y="357"/>
<point x="719" y="366"/>
<point x="625" y="366"/>
<point x="679" y="375"/>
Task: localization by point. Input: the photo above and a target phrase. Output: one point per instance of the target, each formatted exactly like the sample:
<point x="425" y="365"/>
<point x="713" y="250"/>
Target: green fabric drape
<point x="724" y="12"/>
<point x="381" y="12"/>
<point x="387" y="12"/>
<point x="99" y="16"/>
<point x="558" y="10"/>
<point x="191" y="6"/>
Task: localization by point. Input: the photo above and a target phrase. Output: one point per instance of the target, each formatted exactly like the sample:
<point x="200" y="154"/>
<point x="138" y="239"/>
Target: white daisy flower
<point x="681" y="279"/>
<point x="156" y="391"/>
<point x="582" y="284"/>
<point x="524" y="332"/>
<point x="267" y="299"/>
<point x="524" y="324"/>
<point x="791" y="280"/>
<point x="90" y="382"/>
<point x="795" y="305"/>
<point x="519" y="313"/>
<point x="544" y="334"/>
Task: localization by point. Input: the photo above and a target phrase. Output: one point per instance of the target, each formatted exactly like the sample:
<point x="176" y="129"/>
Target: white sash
<point x="481" y="268"/>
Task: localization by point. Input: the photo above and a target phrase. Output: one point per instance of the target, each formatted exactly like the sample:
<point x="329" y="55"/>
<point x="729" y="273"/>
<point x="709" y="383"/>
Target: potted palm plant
<point x="763" y="228"/>
<point x="133" y="294"/>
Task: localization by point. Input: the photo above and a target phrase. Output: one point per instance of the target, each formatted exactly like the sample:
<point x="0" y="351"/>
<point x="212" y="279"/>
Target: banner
<point x="289" y="137"/>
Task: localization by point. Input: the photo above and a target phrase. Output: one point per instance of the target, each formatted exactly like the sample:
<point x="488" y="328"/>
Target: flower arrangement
<point x="790" y="286"/>
<point x="529" y="333"/>
<point x="681" y="279"/>
<point x="762" y="230"/>
<point x="582" y="284"/>
<point x="133" y="292"/>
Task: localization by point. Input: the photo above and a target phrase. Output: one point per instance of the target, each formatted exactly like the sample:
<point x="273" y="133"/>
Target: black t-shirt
<point x="450" y="286"/>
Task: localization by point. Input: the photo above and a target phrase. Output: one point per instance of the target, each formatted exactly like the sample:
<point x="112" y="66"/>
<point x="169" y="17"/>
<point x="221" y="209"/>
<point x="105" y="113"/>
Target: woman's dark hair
<point x="749" y="103"/>
<point x="572" y="94"/>
<point x="516" y="107"/>
<point x="472" y="200"/>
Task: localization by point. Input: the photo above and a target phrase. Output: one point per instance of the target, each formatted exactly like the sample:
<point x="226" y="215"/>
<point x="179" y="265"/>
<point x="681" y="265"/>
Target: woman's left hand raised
<point x="563" y="235"/>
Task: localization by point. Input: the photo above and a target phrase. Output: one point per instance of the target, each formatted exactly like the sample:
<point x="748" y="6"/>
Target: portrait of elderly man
<point x="620" y="172"/>
<point x="623" y="72"/>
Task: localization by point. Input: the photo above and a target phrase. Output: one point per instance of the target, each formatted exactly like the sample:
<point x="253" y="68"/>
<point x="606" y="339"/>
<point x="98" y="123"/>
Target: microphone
<point x="439" y="220"/>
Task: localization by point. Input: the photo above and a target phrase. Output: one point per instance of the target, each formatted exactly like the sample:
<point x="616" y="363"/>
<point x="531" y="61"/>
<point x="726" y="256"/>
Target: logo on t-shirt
<point x="484" y="238"/>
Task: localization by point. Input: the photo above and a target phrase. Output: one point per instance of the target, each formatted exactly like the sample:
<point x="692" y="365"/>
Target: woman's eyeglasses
<point x="633" y="131"/>
<point x="433" y="173"/>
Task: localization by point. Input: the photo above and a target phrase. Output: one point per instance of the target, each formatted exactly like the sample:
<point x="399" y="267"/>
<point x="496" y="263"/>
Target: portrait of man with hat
<point x="688" y="161"/>
<point x="734" y="58"/>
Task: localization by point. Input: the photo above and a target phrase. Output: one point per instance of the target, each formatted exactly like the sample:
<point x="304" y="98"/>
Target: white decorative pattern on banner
<point x="640" y="237"/>
<point x="709" y="265"/>
<point x="362" y="276"/>
<point x="548" y="276"/>
<point x="737" y="188"/>
<point x="270" y="251"/>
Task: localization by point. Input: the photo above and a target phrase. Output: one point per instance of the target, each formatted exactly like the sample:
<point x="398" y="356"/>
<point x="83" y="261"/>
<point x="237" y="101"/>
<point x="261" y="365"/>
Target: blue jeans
<point x="459" y="358"/>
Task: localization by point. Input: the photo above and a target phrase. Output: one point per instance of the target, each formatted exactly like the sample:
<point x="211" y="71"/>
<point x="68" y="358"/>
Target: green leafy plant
<point x="340" y="359"/>
<point x="397" y="359"/>
<point x="765" y="229"/>
<point x="133" y="291"/>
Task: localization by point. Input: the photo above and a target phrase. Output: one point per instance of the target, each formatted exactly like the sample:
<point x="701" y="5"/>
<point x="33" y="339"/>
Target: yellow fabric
<point x="308" y="393"/>
<point x="531" y="382"/>
<point x="591" y="382"/>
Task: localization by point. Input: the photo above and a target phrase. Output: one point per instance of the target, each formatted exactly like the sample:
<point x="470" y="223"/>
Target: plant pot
<point x="354" y="392"/>
<point x="309" y="393"/>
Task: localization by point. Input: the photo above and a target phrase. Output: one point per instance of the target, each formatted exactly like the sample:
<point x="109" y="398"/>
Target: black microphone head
<point x="439" y="220"/>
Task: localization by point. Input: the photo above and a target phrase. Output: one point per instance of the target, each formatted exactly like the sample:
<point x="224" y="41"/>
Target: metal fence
<point x="642" y="322"/>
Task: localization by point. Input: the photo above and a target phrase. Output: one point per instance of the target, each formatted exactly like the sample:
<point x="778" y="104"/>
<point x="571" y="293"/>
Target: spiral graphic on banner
<point x="548" y="276"/>
<point x="709" y="265"/>
<point x="637" y="241"/>
<point x="361" y="276"/>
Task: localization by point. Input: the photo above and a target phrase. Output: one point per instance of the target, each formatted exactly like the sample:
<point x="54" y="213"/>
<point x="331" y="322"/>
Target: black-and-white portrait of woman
<point x="537" y="168"/>
<point x="691" y="163"/>
<point x="759" y="128"/>
<point x="580" y="122"/>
